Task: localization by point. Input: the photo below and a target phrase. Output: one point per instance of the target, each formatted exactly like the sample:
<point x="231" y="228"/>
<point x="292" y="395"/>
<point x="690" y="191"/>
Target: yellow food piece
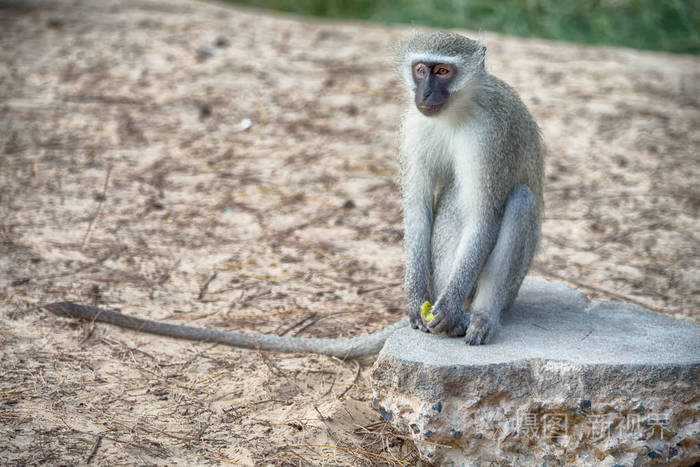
<point x="426" y="312"/>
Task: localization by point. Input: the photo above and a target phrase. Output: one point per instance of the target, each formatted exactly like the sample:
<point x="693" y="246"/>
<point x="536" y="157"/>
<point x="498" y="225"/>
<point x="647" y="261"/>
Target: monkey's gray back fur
<point x="515" y="142"/>
<point x="352" y="347"/>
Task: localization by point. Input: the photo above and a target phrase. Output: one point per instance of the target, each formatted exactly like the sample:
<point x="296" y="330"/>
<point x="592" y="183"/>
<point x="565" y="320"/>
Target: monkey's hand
<point x="449" y="318"/>
<point x="414" y="314"/>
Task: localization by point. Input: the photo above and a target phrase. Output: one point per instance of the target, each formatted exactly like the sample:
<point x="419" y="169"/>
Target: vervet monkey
<point x="472" y="172"/>
<point x="472" y="197"/>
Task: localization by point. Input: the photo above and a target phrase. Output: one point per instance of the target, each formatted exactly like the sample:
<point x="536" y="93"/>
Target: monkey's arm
<point x="353" y="347"/>
<point x="418" y="221"/>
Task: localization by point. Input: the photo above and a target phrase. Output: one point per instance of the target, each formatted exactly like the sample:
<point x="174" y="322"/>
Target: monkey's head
<point x="438" y="66"/>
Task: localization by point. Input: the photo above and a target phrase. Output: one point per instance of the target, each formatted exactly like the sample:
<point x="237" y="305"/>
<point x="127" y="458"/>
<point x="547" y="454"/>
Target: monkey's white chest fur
<point x="451" y="152"/>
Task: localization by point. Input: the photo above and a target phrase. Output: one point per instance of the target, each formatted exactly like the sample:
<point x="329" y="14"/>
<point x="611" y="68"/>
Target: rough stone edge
<point x="586" y="400"/>
<point x="483" y="420"/>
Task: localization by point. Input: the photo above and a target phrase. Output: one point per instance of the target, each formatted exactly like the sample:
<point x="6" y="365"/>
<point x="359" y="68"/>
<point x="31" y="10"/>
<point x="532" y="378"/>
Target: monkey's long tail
<point x="353" y="347"/>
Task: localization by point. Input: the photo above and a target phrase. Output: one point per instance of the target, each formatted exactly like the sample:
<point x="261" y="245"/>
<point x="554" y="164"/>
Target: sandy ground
<point x="228" y="168"/>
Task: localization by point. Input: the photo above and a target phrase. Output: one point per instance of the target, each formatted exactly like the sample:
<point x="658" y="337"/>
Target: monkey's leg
<point x="448" y="230"/>
<point x="475" y="242"/>
<point x="505" y="269"/>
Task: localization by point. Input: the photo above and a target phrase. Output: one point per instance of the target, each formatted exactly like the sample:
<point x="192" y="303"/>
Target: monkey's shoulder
<point x="501" y="102"/>
<point x="510" y="123"/>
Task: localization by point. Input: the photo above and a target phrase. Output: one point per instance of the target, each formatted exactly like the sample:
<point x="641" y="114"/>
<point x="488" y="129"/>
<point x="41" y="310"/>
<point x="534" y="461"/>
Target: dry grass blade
<point x="222" y="459"/>
<point x="102" y="197"/>
<point x="353" y="450"/>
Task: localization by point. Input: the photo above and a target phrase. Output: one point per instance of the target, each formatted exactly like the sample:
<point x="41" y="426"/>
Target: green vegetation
<point x="670" y="25"/>
<point x="426" y="312"/>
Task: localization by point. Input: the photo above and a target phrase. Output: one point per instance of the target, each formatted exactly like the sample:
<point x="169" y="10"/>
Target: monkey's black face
<point x="432" y="83"/>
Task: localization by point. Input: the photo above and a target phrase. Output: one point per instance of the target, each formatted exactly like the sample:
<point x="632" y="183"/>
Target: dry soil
<point x="216" y="166"/>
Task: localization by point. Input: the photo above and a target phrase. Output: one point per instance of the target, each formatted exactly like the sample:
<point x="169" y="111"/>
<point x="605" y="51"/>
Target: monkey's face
<point x="432" y="86"/>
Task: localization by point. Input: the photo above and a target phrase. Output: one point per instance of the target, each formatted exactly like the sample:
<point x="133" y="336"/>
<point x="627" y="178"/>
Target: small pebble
<point x="386" y="416"/>
<point x="222" y="42"/>
<point x="206" y="51"/>
<point x="585" y="405"/>
<point x="245" y="124"/>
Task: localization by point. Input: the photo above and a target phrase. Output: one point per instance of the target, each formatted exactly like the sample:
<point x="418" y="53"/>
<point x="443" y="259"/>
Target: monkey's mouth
<point x="430" y="110"/>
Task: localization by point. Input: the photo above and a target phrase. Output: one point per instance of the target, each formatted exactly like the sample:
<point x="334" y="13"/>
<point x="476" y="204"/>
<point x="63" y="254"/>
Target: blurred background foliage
<point x="668" y="25"/>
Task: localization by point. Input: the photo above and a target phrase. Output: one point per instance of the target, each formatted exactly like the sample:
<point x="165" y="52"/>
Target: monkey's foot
<point x="461" y="329"/>
<point x="480" y="330"/>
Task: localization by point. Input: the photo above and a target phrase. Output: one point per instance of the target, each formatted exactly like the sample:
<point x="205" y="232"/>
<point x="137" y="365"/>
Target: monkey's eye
<point x="442" y="71"/>
<point x="420" y="70"/>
